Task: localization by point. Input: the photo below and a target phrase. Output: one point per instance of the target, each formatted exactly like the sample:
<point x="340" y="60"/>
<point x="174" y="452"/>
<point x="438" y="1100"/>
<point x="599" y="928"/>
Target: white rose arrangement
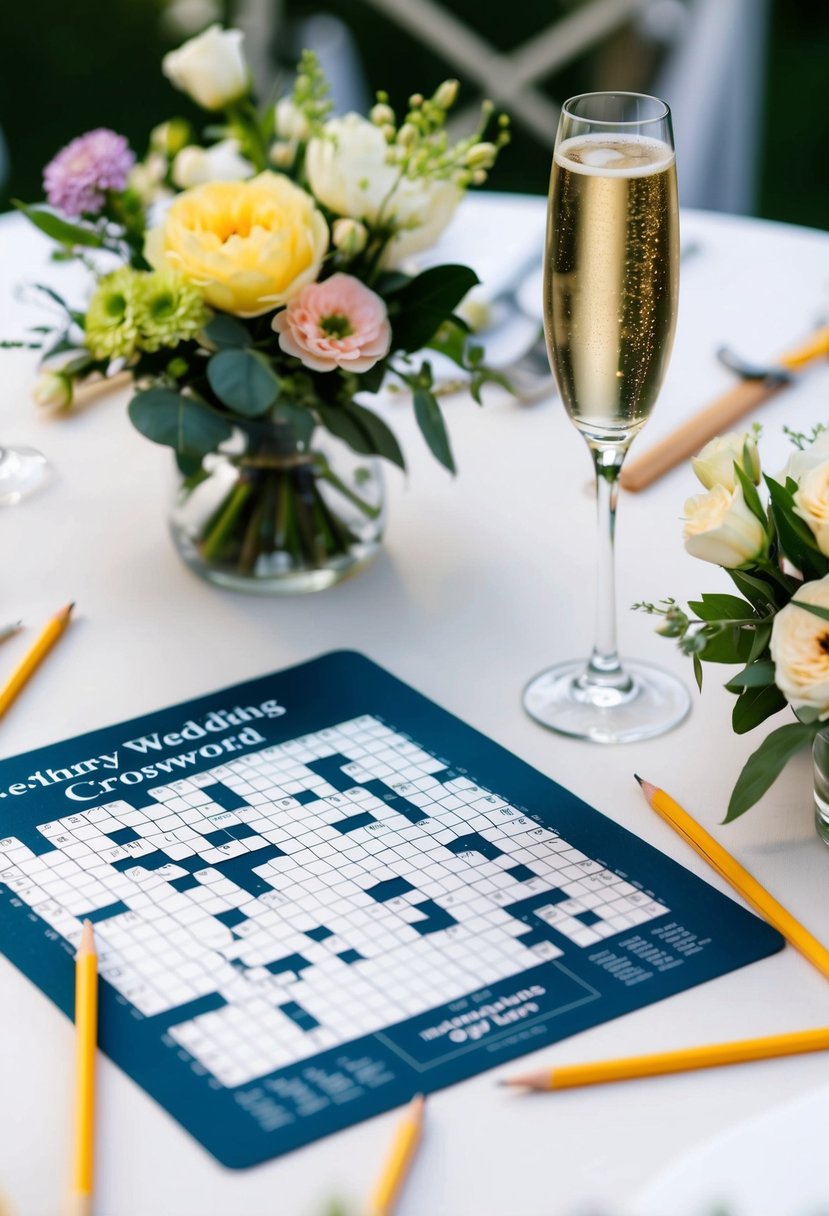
<point x="775" y="549"/>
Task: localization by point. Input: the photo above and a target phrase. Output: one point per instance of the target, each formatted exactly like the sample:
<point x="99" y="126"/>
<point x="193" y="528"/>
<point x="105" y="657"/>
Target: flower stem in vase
<point x="218" y="533"/>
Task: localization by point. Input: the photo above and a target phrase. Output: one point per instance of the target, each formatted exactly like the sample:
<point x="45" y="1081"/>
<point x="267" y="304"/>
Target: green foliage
<point x="223" y="331"/>
<point x="419" y="307"/>
<point x="765" y="765"/>
<point x="433" y="428"/>
<point x="59" y="229"/>
<point x="244" y="381"/>
<point x="364" y="431"/>
<point x="183" y="423"/>
<point x="795" y="539"/>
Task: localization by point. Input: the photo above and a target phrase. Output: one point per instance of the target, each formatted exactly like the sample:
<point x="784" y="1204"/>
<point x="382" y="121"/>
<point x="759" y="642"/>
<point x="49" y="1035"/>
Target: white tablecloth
<point x="484" y="580"/>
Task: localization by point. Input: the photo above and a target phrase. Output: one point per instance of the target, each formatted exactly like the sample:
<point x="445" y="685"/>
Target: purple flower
<point x="76" y="180"/>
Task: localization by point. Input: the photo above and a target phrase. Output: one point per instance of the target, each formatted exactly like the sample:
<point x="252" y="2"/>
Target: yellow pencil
<point x="714" y="1055"/>
<point x="86" y="1028"/>
<point x="35" y="657"/>
<point x="739" y="878"/>
<point x="403" y="1149"/>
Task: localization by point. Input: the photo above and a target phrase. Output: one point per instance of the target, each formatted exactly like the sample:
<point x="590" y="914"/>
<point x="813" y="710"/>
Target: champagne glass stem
<point x="603" y="667"/>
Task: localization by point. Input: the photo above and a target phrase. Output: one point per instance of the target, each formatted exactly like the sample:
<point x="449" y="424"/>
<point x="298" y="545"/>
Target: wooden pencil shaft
<point x="86" y="1027"/>
<point x="742" y="881"/>
<point x="396" y="1166"/>
<point x="687" y="439"/>
<point x="716" y="1055"/>
<point x="30" y="663"/>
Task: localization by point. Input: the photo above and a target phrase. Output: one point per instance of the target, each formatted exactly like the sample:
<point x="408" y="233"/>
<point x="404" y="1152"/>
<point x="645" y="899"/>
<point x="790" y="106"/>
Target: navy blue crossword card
<point x="318" y="893"/>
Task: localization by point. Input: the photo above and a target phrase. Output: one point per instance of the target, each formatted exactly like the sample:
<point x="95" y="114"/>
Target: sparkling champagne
<point x="611" y="278"/>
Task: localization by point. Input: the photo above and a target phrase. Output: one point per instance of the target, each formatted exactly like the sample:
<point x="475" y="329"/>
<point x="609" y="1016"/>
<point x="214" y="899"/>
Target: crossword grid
<point x="354" y="884"/>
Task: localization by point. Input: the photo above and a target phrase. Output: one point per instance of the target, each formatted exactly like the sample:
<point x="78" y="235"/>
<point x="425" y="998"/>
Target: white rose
<point x="210" y="68"/>
<point x="801" y="462"/>
<point x="714" y="464"/>
<point x="290" y="122"/>
<point x="800" y="649"/>
<point x="53" y="391"/>
<point x="223" y="162"/>
<point x="811" y="501"/>
<point x="348" y="172"/>
<point x="720" y="528"/>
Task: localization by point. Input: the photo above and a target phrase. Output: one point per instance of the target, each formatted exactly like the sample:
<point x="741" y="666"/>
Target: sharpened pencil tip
<point x="639" y="779"/>
<point x="87" y="942"/>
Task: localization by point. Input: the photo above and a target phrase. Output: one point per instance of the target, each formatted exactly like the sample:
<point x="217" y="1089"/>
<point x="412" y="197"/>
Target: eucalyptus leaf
<point x="433" y="428"/>
<point x="182" y="423"/>
<point x="766" y="764"/>
<point x="243" y="381"/>
<point x="224" y="331"/>
<point x="59" y="229"/>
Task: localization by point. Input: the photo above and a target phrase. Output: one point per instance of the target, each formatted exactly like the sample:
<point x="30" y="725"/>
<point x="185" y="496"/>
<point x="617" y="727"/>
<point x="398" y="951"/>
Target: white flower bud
<point x="210" y="68"/>
<point x="446" y="94"/>
<point x="222" y="163"/>
<point x="53" y="391"/>
<point x="720" y="528"/>
<point x="349" y="236"/>
<point x="282" y="154"/>
<point x="714" y="464"/>
<point x="407" y="135"/>
<point x="800" y="649"/>
<point x="481" y="156"/>
<point x="291" y="123"/>
<point x="381" y="115"/>
<point x="801" y="461"/>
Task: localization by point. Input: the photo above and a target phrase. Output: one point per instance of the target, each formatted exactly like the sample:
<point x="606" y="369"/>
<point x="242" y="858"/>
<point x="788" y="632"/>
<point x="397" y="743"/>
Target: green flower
<point x="111" y="319"/>
<point x="169" y="310"/>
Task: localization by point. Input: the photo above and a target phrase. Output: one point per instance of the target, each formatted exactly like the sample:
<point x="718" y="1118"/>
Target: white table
<point x="483" y="581"/>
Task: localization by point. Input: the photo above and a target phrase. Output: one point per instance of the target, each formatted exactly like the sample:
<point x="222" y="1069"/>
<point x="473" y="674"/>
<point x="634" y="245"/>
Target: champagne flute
<point x="610" y="303"/>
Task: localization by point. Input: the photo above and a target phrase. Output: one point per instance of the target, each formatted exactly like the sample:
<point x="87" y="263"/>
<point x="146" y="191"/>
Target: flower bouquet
<point x="775" y="548"/>
<point x="251" y="288"/>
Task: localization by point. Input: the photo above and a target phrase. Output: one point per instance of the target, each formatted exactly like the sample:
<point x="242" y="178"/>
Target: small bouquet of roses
<point x="253" y="284"/>
<point x="775" y="548"/>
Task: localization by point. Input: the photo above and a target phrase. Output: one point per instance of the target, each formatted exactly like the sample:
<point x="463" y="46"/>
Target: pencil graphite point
<point x="647" y="787"/>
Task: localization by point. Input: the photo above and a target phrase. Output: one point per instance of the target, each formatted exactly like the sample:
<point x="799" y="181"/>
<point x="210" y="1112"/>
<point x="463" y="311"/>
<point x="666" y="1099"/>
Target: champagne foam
<point x="614" y="155"/>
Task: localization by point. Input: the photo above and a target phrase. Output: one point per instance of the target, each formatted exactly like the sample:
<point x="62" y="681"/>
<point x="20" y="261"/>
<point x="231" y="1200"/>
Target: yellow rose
<point x="249" y="246"/>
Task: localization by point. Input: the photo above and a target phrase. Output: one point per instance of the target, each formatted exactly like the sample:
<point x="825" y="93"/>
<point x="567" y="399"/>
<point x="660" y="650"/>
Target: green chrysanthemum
<point x="111" y="320"/>
<point x="169" y="310"/>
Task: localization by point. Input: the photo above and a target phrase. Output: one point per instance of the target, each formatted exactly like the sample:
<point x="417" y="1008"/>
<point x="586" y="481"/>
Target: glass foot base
<point x="653" y="703"/>
<point x="22" y="471"/>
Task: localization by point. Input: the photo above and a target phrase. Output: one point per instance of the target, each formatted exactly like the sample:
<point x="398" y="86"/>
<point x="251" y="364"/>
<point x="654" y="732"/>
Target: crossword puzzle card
<point x="318" y="893"/>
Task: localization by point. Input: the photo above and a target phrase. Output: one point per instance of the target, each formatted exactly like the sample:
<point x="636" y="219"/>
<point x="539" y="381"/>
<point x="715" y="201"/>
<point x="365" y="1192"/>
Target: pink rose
<point x="337" y="323"/>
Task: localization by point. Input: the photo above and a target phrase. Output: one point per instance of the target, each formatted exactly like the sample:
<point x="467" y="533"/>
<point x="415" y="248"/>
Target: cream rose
<point x="811" y="502"/>
<point x="720" y="528"/>
<point x="801" y="462"/>
<point x="714" y="464"/>
<point x="800" y="649"/>
<point x="348" y="171"/>
<point x="210" y="68"/>
<point x="223" y="162"/>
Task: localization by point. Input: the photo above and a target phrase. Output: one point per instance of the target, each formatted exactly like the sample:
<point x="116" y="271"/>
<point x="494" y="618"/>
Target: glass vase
<point x="270" y="514"/>
<point x="820" y="760"/>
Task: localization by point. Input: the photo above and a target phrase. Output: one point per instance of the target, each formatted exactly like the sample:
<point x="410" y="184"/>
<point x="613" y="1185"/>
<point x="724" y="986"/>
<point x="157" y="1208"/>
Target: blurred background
<point x="747" y="79"/>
